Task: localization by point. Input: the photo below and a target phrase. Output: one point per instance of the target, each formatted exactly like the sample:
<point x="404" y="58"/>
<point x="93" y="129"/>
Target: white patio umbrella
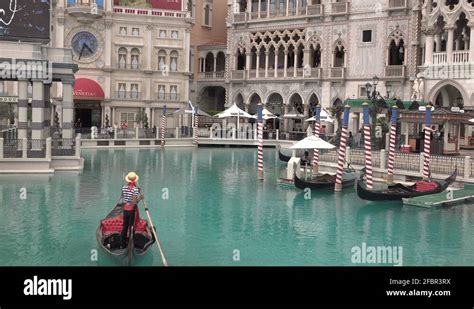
<point x="471" y="120"/>
<point x="235" y="111"/>
<point x="267" y="115"/>
<point x="324" y="116"/>
<point x="312" y="142"/>
<point x="293" y="116"/>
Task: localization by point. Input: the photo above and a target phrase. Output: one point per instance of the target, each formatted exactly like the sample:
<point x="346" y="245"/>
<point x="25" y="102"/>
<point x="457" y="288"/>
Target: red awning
<point x="87" y="89"/>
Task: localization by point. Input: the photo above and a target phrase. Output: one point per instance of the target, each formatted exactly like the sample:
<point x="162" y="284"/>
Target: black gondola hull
<point x="317" y="184"/>
<point x="283" y="157"/>
<point x="399" y="192"/>
<point x="142" y="241"/>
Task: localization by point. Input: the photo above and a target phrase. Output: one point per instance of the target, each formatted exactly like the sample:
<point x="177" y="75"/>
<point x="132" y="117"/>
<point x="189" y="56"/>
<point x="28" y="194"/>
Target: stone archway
<point x="448" y="93"/>
<point x="212" y="99"/>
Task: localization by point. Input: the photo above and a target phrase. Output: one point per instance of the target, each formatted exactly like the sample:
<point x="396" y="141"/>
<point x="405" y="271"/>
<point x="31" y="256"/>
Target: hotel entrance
<point x="88" y="112"/>
<point x="88" y="97"/>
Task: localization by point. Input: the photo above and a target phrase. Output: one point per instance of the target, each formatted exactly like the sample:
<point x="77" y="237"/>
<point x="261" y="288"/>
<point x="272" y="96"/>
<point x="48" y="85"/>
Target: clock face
<point x="85" y="45"/>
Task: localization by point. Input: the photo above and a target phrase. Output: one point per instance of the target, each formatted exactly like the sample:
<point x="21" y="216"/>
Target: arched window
<point x="396" y="53"/>
<point x="209" y="62"/>
<point x="162" y="60"/>
<point x="122" y="58"/>
<point x="174" y="61"/>
<point x="135" y="59"/>
<point x="207" y="15"/>
<point x="220" y="63"/>
<point x="316" y="56"/>
<point x="339" y="55"/>
<point x="241" y="61"/>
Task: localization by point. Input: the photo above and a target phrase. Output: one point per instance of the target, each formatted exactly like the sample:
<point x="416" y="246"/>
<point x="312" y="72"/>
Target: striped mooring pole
<point x="427" y="145"/>
<point x="196" y="126"/>
<point x="393" y="142"/>
<point x="317" y="130"/>
<point x="368" y="148"/>
<point x="163" y="127"/>
<point x="342" y="149"/>
<point x="260" y="140"/>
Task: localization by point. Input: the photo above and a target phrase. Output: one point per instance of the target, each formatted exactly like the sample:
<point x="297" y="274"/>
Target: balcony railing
<point x="395" y="71"/>
<point x="338" y="73"/>
<point x="439" y="58"/>
<point x="461" y="56"/>
<point x="85" y="4"/>
<point x="339" y="8"/>
<point x="150" y="12"/>
<point x="167" y="97"/>
<point x="212" y="75"/>
<point x="314" y="10"/>
<point x="239" y="74"/>
<point x="127" y="95"/>
<point x="397" y="4"/>
<point x="312" y="73"/>
<point x="240" y="17"/>
<point x="128" y="66"/>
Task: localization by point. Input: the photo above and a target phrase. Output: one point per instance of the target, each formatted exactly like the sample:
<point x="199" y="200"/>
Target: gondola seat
<point x="425" y="186"/>
<point x="115" y="225"/>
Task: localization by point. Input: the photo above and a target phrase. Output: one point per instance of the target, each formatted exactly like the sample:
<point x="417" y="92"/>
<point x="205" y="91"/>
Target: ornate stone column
<point x="267" y="54"/>
<point x="471" y="44"/>
<point x="258" y="64"/>
<point x="450" y="43"/>
<point x="429" y="46"/>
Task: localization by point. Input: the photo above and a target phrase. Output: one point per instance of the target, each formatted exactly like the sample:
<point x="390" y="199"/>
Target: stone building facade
<point x="294" y="54"/>
<point x="132" y="61"/>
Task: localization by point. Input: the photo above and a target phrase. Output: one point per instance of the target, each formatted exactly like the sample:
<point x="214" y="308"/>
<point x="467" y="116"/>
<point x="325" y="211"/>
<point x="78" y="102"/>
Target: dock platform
<point x="448" y="197"/>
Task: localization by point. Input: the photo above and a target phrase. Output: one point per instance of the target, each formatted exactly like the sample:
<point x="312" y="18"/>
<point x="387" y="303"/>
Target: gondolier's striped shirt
<point x="129" y="193"/>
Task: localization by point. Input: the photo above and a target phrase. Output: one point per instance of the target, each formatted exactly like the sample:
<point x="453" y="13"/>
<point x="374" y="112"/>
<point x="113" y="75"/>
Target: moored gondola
<point x="326" y="181"/>
<point x="398" y="191"/>
<point x="283" y="157"/>
<point x="108" y="236"/>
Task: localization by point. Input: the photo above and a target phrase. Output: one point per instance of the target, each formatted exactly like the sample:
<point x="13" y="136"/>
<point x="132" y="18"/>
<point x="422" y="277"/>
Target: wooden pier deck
<point x="448" y="197"/>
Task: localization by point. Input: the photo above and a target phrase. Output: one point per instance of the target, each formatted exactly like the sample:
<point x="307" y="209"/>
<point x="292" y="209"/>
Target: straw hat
<point x="131" y="177"/>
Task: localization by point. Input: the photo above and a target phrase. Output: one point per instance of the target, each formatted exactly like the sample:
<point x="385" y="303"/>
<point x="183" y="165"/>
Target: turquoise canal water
<point x="215" y="207"/>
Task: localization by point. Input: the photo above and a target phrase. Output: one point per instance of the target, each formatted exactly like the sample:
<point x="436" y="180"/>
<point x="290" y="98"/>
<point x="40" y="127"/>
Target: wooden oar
<point x="154" y="234"/>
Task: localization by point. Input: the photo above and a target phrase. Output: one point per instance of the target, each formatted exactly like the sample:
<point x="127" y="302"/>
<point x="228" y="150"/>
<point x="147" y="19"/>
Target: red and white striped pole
<point x="368" y="148"/>
<point x="427" y="145"/>
<point x="317" y="131"/>
<point x="260" y="140"/>
<point x="342" y="149"/>
<point x="196" y="127"/>
<point x="393" y="142"/>
<point x="163" y="127"/>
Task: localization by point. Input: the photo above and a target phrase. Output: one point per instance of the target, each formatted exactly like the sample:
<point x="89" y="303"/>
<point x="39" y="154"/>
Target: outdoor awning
<point x="87" y="89"/>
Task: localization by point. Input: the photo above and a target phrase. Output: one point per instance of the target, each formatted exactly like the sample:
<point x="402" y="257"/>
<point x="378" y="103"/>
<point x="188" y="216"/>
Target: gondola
<point x="283" y="157"/>
<point x="326" y="181"/>
<point x="398" y="191"/>
<point x="108" y="236"/>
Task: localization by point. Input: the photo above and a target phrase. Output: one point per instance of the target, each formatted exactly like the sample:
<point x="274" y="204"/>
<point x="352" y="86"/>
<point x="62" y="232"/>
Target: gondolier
<point x="131" y="197"/>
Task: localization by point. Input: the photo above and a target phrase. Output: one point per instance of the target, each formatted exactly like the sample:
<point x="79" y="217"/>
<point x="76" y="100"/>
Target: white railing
<point x="212" y="75"/>
<point x="240" y="17"/>
<point x="314" y="9"/>
<point x="337" y="72"/>
<point x="439" y="58"/>
<point x="397" y="4"/>
<point x="395" y="71"/>
<point x="238" y="74"/>
<point x="461" y="56"/>
<point x="149" y="12"/>
<point x="339" y="8"/>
